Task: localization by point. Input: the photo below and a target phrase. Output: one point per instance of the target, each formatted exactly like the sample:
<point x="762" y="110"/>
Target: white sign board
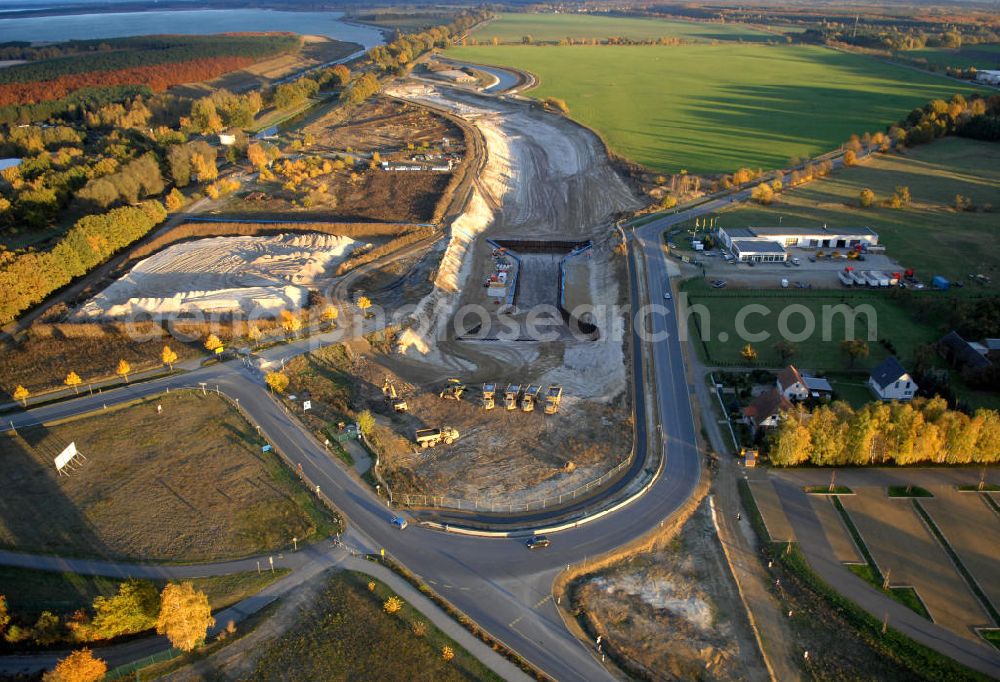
<point x="66" y="456"/>
<point x="307" y="405"/>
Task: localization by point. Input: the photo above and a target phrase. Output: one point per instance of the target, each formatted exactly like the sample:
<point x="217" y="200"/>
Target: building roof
<point x="9" y="163"/>
<point x="757" y="246"/>
<point x="817" y="383"/>
<point x="888" y="372"/>
<point x="825" y="231"/>
<point x="766" y="405"/>
<point x="962" y="352"/>
<point x="992" y="344"/>
<point x="737" y="232"/>
<point x="788" y="377"/>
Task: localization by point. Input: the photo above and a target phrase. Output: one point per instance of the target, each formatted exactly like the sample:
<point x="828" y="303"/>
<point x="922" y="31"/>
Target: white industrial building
<point x="770" y="244"/>
<point x="987" y="76"/>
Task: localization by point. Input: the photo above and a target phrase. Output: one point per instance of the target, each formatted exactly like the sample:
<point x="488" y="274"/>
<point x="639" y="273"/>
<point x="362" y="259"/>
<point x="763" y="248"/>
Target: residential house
<point x="798" y="386"/>
<point x="765" y="410"/>
<point x="889" y="381"/>
<point x="963" y="354"/>
<point x="791" y="384"/>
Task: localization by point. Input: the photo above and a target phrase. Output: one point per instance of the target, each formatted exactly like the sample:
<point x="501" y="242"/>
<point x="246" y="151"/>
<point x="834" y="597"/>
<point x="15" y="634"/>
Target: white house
<point x="765" y="410"/>
<point x="988" y="76"/>
<point x="792" y="385"/>
<point x="889" y="381"/>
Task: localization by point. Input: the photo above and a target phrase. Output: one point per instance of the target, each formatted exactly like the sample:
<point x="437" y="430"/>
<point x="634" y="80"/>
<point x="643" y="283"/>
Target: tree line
<point x="924" y="431"/>
<point x="179" y="611"/>
<point x="154" y="51"/>
<point x="28" y="278"/>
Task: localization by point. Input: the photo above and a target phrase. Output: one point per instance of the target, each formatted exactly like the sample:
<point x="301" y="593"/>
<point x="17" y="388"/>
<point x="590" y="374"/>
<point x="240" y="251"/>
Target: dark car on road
<point x="537" y="542"/>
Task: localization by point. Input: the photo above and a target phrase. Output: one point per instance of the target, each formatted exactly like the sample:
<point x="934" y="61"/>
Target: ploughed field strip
<point x="905" y="550"/>
<point x="973" y="531"/>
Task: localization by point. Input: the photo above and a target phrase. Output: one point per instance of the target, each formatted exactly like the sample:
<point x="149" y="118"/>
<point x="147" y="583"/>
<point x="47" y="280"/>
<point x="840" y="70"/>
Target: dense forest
<point x="156" y="62"/>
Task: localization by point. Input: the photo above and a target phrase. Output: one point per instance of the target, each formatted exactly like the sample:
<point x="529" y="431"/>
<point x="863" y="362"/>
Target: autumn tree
<point x="133" y="609"/>
<point x="73" y="379"/>
<point x="4" y="614"/>
<point x="290" y="322"/>
<point x="185" y="615"/>
<point x="850" y="158"/>
<point x="79" y="666"/>
<point x="364" y="303"/>
<point x="763" y="194"/>
<point x="174" y="201"/>
<point x="254" y="335"/>
<point x="21" y="393"/>
<point x="169" y="357"/>
<point x="277" y="381"/>
<point x="203" y="166"/>
<point x="123" y="369"/>
<point x="785" y="350"/>
<point x="257" y="155"/>
<point x="330" y="313"/>
<point x="749" y="353"/>
<point x="393" y="604"/>
<point x="855" y="349"/>
<point x="212" y="343"/>
<point x="866" y="198"/>
<point x="447" y="653"/>
<point x="366" y="422"/>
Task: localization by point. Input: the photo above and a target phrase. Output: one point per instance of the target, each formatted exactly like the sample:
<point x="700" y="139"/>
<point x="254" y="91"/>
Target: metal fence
<point x="506" y="505"/>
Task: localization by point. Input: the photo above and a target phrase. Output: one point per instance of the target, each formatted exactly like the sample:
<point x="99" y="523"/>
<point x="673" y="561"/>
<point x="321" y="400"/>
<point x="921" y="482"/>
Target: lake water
<point x="111" y="25"/>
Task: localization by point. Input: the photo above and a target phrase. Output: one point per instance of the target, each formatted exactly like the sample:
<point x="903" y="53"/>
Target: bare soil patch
<point x="674" y="613"/>
<point x="347" y="182"/>
<point x="187" y="484"/>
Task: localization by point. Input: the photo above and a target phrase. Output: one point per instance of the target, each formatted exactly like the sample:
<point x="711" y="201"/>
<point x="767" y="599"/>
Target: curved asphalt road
<point x="497" y="582"/>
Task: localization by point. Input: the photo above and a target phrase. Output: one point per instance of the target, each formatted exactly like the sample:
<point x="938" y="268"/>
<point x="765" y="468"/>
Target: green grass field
<point x="511" y="28"/>
<point x="979" y="56"/>
<point x="714" y="108"/>
<point x="930" y="235"/>
<point x="820" y="351"/>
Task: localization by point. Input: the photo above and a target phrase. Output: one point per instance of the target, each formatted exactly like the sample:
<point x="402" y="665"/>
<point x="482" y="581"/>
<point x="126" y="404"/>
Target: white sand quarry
<point x="223" y="275"/>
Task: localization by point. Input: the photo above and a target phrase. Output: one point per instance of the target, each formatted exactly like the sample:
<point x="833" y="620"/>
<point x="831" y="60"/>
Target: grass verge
<point x="909" y="491"/>
<point x="991" y="636"/>
<point x="827" y="490"/>
<point x="987" y="488"/>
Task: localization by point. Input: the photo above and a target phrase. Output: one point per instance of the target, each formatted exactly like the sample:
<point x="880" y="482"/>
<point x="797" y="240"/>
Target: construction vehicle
<point x="489" y="391"/>
<point x="429" y="438"/>
<point x="529" y="398"/>
<point x="510" y="396"/>
<point x="553" y="396"/>
<point x="392" y="397"/>
<point x="453" y="390"/>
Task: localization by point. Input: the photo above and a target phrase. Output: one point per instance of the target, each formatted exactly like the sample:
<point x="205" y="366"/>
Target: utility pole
<point x="833" y="479"/>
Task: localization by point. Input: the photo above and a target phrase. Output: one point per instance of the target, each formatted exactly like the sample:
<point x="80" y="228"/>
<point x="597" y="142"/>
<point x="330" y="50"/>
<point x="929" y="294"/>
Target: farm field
<point x="511" y="28"/>
<point x="929" y="235"/>
<point x="815" y="354"/>
<point x="980" y="56"/>
<point x="902" y="546"/>
<point x="345" y="634"/>
<point x="712" y="109"/>
<point x="188" y="484"/>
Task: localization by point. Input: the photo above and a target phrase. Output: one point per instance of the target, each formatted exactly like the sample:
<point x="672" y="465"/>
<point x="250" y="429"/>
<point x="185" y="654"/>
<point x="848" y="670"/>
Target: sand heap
<point x="223" y="275"/>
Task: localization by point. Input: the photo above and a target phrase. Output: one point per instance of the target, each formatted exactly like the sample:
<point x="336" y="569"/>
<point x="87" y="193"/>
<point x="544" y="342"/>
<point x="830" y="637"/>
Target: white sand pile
<point x="663" y="594"/>
<point x="223" y="274"/>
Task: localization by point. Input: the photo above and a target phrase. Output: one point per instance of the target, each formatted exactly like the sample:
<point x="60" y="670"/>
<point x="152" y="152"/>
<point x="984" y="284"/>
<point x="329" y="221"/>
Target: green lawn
<point x="820" y="351"/>
<point x="511" y="28"/>
<point x="345" y="634"/>
<point x="929" y="235"/>
<point x="979" y="56"/>
<point x="715" y="108"/>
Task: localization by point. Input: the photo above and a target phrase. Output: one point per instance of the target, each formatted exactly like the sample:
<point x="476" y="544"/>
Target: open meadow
<point x="714" y="108"/>
<point x="929" y="235"/>
<point x="186" y="484"/>
<point x="512" y="28"/>
<point x="984" y="56"/>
